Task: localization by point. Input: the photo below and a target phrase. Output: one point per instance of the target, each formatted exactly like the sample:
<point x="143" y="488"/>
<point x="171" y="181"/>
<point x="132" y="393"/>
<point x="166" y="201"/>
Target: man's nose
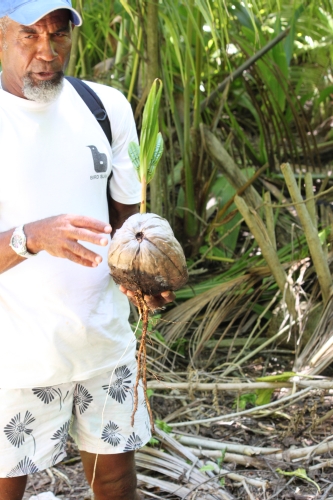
<point x="47" y="50"/>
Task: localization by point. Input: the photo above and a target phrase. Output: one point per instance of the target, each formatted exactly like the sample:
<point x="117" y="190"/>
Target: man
<point x="66" y="344"/>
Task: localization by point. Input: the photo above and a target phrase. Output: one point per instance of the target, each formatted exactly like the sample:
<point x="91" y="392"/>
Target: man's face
<point x="34" y="57"/>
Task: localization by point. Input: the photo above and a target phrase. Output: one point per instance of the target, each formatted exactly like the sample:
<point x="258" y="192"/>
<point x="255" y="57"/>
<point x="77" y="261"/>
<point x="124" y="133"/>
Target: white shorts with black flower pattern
<point x="34" y="423"/>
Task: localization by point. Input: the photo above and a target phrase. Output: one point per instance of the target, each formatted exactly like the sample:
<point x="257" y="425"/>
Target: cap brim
<point x="32" y="15"/>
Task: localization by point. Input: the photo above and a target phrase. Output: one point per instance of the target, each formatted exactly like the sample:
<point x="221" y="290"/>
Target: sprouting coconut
<point x="144" y="255"/>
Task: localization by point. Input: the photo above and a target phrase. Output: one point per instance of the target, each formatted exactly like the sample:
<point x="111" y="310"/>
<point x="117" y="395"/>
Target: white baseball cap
<point x="28" y="12"/>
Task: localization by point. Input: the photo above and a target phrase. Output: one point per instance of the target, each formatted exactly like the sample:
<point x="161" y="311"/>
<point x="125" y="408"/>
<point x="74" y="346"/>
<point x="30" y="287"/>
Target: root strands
<point x="142" y="360"/>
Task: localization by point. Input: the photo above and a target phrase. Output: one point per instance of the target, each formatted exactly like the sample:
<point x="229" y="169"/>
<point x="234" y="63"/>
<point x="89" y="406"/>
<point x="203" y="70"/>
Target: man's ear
<point x="2" y="41"/>
<point x="4" y="24"/>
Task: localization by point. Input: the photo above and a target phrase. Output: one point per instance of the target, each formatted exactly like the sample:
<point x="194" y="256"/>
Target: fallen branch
<point x="227" y="386"/>
<point x="297" y="453"/>
<point x="229" y="447"/>
<point x="237" y="386"/>
<point x="322" y="465"/>
<point x="234" y="458"/>
<point x="291" y="399"/>
<point x="250" y="455"/>
<point x="257" y="483"/>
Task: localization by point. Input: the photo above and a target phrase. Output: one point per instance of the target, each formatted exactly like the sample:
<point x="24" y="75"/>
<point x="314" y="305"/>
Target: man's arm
<point x="8" y="258"/>
<point x="59" y="236"/>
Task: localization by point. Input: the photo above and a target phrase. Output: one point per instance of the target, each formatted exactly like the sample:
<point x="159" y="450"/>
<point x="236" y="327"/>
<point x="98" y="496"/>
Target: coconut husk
<point x="144" y="255"/>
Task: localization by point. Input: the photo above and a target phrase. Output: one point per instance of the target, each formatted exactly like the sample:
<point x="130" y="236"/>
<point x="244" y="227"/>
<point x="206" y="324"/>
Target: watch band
<point x="18" y="243"/>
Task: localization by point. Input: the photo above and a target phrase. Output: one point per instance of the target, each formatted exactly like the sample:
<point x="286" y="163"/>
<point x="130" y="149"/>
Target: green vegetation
<point x="246" y="87"/>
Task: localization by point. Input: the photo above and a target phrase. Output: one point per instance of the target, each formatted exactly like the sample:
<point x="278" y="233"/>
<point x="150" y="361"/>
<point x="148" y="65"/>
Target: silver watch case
<point x="18" y="243"/>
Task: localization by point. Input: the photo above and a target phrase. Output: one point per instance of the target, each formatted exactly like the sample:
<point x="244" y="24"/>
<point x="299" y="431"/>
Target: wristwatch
<point x="18" y="242"/>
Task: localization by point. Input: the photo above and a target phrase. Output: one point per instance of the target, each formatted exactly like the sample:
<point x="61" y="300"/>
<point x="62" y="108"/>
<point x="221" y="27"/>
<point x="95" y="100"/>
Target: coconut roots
<point x="142" y="359"/>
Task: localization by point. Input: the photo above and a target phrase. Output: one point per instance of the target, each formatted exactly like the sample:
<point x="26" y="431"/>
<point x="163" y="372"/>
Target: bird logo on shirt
<point x="100" y="159"/>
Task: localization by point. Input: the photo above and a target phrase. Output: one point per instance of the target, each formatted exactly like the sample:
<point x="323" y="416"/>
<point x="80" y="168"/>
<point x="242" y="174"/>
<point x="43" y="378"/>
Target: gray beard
<point x="44" y="91"/>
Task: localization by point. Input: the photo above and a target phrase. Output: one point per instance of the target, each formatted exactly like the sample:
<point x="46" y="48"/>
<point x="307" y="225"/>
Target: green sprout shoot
<point x="146" y="156"/>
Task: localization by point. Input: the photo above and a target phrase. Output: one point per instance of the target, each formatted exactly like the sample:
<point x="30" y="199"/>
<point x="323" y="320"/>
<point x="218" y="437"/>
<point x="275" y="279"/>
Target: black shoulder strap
<point x="94" y="104"/>
<point x="97" y="108"/>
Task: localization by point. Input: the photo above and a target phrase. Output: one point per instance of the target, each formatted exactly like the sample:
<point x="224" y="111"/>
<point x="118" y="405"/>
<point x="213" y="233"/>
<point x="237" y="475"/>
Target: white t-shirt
<point x="60" y="321"/>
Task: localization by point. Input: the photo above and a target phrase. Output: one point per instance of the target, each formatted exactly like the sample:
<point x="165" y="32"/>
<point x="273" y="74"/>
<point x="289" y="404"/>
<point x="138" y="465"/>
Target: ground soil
<point x="296" y="427"/>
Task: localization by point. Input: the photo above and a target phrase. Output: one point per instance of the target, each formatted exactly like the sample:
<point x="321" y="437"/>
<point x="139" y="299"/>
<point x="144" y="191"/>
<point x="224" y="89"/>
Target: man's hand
<point x="153" y="301"/>
<point x="60" y="236"/>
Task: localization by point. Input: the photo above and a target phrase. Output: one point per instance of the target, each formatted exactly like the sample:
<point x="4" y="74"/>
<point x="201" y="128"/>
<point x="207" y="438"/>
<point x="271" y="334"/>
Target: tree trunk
<point x="153" y="71"/>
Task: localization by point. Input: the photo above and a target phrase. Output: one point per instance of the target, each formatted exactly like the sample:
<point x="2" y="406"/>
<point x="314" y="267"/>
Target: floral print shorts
<point x="34" y="423"/>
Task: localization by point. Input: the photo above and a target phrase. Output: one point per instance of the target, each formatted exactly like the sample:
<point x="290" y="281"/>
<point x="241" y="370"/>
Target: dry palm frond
<point x="318" y="353"/>
<point x="315" y="247"/>
<point x="226" y="307"/>
<point x="178" y="320"/>
<point x="259" y="231"/>
<point x="205" y="313"/>
<point x="185" y="473"/>
<point x="180" y="470"/>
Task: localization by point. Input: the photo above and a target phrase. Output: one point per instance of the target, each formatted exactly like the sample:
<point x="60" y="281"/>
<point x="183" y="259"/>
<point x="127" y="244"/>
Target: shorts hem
<point x="110" y="451"/>
<point x="40" y="468"/>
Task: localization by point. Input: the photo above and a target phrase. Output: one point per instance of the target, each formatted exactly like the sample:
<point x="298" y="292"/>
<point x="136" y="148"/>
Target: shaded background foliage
<point x="257" y="77"/>
<point x="269" y="114"/>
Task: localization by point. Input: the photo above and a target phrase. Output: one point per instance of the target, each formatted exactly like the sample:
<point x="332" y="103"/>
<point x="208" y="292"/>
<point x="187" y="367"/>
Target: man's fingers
<point x="61" y="236"/>
<point x="89" y="236"/>
<point x="168" y="296"/>
<point x="99" y="232"/>
<point x="81" y="221"/>
<point x="129" y="294"/>
<point x="84" y="253"/>
<point x="78" y="259"/>
<point x="162" y="298"/>
<point x="152" y="301"/>
<point x="126" y="291"/>
<point x="159" y="301"/>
